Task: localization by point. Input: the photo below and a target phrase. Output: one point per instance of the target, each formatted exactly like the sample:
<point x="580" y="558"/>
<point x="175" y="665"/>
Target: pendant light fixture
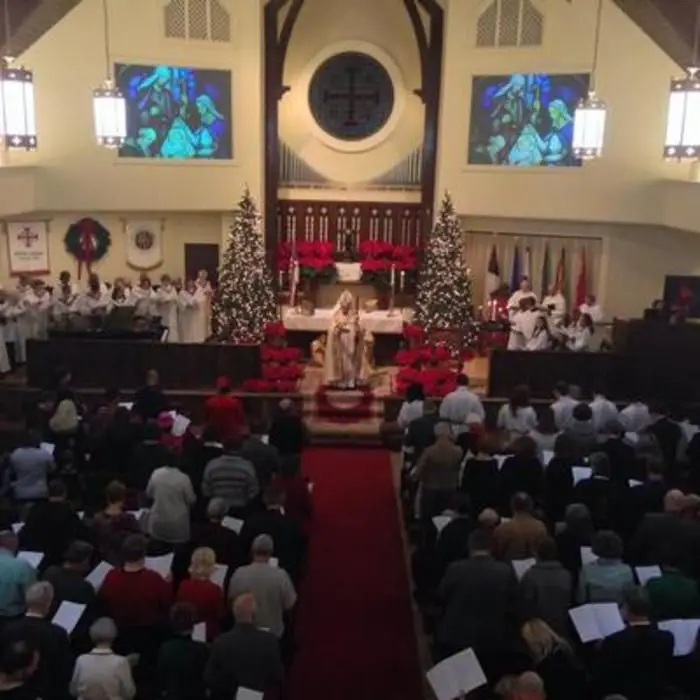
<point x="108" y="102"/>
<point x="683" y="123"/>
<point x="17" y="115"/>
<point x="591" y="113"/>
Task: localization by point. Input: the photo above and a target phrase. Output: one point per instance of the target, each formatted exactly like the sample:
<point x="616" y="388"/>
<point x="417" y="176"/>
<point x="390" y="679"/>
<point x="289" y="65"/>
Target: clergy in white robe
<point x="144" y="298"/>
<point x="592" y="308"/>
<point x="345" y="350"/>
<point x="522" y="324"/>
<point x="555" y="305"/>
<point x="524" y="292"/>
<point x="167" y="308"/>
<point x="541" y="338"/>
<point x="191" y="311"/>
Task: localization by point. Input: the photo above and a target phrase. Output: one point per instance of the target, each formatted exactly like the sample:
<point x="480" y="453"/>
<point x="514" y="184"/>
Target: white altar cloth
<point x="373" y="321"/>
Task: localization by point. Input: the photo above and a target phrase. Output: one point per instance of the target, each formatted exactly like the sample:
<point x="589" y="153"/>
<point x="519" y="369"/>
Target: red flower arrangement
<point x="316" y="259"/>
<point x="436" y="381"/>
<point x="281" y="365"/>
<point x="275" y="329"/>
<point x="377" y="258"/>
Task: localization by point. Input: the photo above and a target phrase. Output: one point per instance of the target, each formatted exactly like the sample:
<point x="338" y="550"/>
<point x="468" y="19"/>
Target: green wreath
<point x="87" y="241"/>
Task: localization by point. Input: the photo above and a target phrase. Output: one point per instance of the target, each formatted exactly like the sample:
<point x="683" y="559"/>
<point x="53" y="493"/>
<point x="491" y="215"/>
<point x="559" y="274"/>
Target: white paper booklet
<point x="161" y="565"/>
<point x="233" y="524"/>
<point x="456" y="676"/>
<point x="646" y="573"/>
<point x="68" y="615"/>
<point x="199" y="632"/>
<point x="685" y="634"/>
<point x="248" y="694"/>
<point x="97" y="576"/>
<point x="522" y="566"/>
<point x="587" y="556"/>
<point x="219" y="575"/>
<point x="440" y="521"/>
<point x="32" y="558"/>
<point x="581" y="473"/>
<point x="596" y="621"/>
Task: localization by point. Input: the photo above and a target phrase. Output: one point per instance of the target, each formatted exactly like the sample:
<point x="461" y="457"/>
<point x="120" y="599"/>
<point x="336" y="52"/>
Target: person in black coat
<point x="600" y="494"/>
<point x="149" y="454"/>
<point x="559" y="479"/>
<point x="288" y="433"/>
<point x="636" y="661"/>
<point x="55" y="669"/>
<point x="265" y="458"/>
<point x="245" y="657"/>
<point x="620" y="453"/>
<point x="668" y="435"/>
<point x="420" y="433"/>
<point x="150" y="400"/>
<point x="522" y="472"/>
<point x="480" y="477"/>
<point x="212" y="534"/>
<point x="577" y="532"/>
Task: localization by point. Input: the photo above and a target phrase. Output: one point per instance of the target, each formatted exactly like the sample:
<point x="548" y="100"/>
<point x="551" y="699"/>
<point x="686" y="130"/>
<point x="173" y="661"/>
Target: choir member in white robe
<point x="345" y="349"/>
<point x="64" y="280"/>
<point x="522" y="324"/>
<point x="120" y="294"/>
<point x="6" y="335"/>
<point x="38" y="310"/>
<point x="207" y="293"/>
<point x="144" y="298"/>
<point x="555" y="305"/>
<point x="581" y="337"/>
<point x="94" y="301"/>
<point x="190" y="312"/>
<point x="167" y="307"/>
<point x="64" y="303"/>
<point x="592" y="308"/>
<point x="525" y="292"/>
<point x="541" y="338"/>
<point x="15" y="313"/>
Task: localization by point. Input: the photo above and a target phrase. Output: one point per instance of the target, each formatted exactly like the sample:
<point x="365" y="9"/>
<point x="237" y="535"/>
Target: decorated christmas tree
<point x="444" y="297"/>
<point x="245" y="300"/>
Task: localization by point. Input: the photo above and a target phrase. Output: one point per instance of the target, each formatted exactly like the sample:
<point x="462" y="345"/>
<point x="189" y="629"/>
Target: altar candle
<point x="402" y="280"/>
<point x="393" y="276"/>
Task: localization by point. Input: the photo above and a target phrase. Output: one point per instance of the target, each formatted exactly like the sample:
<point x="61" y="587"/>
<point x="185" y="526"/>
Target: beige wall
<point x="179" y="228"/>
<point x="69" y="62"/>
<point x="380" y="28"/>
<point x="633" y="77"/>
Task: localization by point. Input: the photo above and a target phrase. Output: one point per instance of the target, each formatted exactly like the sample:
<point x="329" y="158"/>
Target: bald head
<point x="263" y="547"/>
<point x="674" y="501"/>
<point x="529" y="686"/>
<point x="488" y="518"/>
<point x="244" y="608"/>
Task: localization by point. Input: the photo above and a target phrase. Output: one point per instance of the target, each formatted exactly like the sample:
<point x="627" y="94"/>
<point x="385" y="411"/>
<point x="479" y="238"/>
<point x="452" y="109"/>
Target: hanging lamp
<point x="17" y="112"/>
<point x="591" y="112"/>
<point x="108" y="102"/>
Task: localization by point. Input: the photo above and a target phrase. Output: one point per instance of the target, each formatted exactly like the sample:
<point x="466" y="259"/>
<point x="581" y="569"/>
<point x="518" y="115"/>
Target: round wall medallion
<point x="351" y="96"/>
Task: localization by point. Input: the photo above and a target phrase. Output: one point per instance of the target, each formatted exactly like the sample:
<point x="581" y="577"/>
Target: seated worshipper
<point x="555" y="305"/>
<point x="345" y="348"/>
<point x="246" y="657"/>
<point x="182" y="661"/>
<point x="232" y="478"/>
<point x="522" y="324"/>
<point x="673" y="595"/>
<point x="51" y="526"/>
<point x="604" y="410"/>
<point x="563" y="405"/>
<point x="517" y="418"/>
<point x="16" y="575"/>
<point x="607" y="579"/>
<point x="636" y="661"/>
<point x="559" y="479"/>
<point x="18" y="664"/>
<point x="581" y="337"/>
<point x="166" y="304"/>
<point x="599" y="493"/>
<point x="523" y="292"/>
<point x="521" y="472"/>
<point x="635" y="417"/>
<point x="541" y="338"/>
<point x="288" y="433"/>
<point x="591" y="308"/>
<point x="457" y="407"/>
<point x="265" y="458"/>
<point x="173" y="496"/>
<point x="102" y="673"/>
<point x="298" y="503"/>
<point x="480" y="477"/>
<point x="200" y="591"/>
<point x="289" y="541"/>
<point x="55" y="667"/>
<point x="213" y="535"/>
<point x="269" y="585"/>
<point x="111" y="526"/>
<point x="138" y="600"/>
<point x="223" y="412"/>
<point x="437" y="472"/>
<point x="581" y="430"/>
<point x="563" y="675"/>
<point x="28" y="469"/>
<point x="521" y="536"/>
<point x="478" y="597"/>
<point x="546" y="590"/>
<point x="420" y="433"/>
<point x="150" y="400"/>
<point x="68" y="580"/>
<point x="149" y="454"/>
<point x="412" y="407"/>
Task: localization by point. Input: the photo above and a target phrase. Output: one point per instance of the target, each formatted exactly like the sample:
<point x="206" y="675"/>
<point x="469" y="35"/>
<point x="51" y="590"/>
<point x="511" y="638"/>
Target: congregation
<point x="524" y="527"/>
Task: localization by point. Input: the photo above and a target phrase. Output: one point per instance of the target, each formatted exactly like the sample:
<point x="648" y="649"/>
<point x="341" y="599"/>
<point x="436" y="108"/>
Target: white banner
<point x="28" y="247"/>
<point x="144" y="244"/>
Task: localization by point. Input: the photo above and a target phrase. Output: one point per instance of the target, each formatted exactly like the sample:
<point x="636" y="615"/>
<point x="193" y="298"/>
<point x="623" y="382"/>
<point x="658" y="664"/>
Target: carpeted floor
<point x="354" y="624"/>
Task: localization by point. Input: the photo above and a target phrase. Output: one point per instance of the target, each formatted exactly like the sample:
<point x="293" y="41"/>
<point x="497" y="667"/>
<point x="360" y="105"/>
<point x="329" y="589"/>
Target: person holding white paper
<point x="102" y="673"/>
<point x="607" y="579"/>
<point x="173" y="497"/>
<point x="29" y="468"/>
<point x="68" y="580"/>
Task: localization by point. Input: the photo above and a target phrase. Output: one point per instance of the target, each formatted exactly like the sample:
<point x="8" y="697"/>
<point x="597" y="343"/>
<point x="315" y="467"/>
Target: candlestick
<point x="393" y="276"/>
<point x="402" y="280"/>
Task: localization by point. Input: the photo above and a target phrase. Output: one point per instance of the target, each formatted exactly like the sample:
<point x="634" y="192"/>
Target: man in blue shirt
<point x="16" y="575"/>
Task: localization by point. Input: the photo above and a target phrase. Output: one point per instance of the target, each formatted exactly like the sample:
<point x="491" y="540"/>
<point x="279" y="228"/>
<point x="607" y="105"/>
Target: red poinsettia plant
<point x="436" y="381"/>
<point x="316" y="259"/>
<point x="377" y="259"/>
<point x="281" y="365"/>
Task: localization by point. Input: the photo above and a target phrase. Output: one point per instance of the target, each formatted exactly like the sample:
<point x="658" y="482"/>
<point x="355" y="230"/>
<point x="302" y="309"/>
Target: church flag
<point x="560" y="279"/>
<point x="516" y="273"/>
<point x="527" y="267"/>
<point x="582" y="283"/>
<point x="493" y="273"/>
<point x="544" y="283"/>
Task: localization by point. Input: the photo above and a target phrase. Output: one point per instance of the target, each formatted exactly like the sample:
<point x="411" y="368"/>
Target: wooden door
<point x="202" y="256"/>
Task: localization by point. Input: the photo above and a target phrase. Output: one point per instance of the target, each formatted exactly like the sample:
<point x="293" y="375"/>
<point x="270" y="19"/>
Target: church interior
<point x="553" y="145"/>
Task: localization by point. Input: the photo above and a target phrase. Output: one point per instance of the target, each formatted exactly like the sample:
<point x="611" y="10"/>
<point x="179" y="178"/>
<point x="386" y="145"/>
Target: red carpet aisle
<point x="354" y="624"/>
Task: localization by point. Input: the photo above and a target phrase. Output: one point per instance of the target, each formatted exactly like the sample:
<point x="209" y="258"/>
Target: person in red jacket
<point x="223" y="413"/>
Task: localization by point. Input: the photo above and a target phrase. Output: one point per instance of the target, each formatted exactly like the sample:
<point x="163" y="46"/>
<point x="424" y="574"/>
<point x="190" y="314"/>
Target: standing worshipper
<point x="458" y="406"/>
<point x="17" y="312"/>
<point x="95" y="301"/>
<point x="604" y="410"/>
<point x="592" y="308"/>
<point x="288" y="432"/>
<point x="581" y="338"/>
<point x="635" y="417"/>
<point x="28" y="469"/>
<point x="345" y="348"/>
<point x="6" y="336"/>
<point x="166" y="299"/>
<point x="223" y="413"/>
<point x="150" y="400"/>
<point x="16" y="575"/>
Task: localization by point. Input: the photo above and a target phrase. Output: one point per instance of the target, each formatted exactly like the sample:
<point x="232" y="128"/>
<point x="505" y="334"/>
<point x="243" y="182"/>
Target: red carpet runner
<point x="354" y="624"/>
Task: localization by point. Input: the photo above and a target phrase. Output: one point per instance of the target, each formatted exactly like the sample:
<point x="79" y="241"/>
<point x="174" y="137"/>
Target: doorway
<point x="202" y="256"/>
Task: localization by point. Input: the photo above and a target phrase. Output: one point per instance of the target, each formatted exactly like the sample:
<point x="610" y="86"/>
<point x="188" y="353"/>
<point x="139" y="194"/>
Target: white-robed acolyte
<point x="522" y="328"/>
<point x="555" y="305"/>
<point x="345" y="350"/>
<point x="192" y="315"/>
<point x="167" y="307"/>
<point x="517" y="297"/>
<point x="580" y="338"/>
<point x="540" y="339"/>
<point x="593" y="309"/>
